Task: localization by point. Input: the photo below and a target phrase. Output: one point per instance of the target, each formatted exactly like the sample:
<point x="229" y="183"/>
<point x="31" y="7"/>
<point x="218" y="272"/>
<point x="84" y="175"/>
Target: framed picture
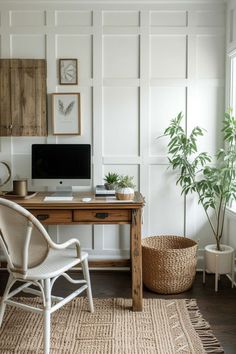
<point x="66" y="114"/>
<point x="68" y="71"/>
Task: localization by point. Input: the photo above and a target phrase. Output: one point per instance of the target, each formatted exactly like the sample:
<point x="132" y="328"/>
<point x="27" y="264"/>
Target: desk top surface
<point x="37" y="201"/>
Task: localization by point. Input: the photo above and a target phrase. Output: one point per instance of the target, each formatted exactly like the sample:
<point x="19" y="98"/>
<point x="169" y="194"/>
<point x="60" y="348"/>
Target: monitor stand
<point x="61" y="194"/>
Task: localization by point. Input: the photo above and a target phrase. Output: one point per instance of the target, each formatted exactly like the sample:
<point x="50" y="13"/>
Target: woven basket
<point x="169" y="263"/>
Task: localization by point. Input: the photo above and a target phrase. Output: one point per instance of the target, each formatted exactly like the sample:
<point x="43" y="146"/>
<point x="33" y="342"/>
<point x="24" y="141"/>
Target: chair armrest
<point x="61" y="246"/>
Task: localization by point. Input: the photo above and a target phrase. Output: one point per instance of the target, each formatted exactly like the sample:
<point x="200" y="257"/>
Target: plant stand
<point x="216" y="266"/>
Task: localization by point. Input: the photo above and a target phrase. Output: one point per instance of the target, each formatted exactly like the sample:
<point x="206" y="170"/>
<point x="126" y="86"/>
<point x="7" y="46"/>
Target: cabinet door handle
<point x="42" y="217"/>
<point x="101" y="215"/>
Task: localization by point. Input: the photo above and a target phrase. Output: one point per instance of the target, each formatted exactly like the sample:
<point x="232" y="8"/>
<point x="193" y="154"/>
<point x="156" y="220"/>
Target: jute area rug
<point x="164" y="327"/>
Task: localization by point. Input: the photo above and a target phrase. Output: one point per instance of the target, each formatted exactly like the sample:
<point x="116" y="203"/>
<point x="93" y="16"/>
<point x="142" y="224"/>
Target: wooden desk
<point x="97" y="211"/>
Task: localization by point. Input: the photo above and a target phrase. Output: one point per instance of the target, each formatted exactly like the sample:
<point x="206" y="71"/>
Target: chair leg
<point x="47" y="316"/>
<point x="87" y="278"/>
<point x="6" y="292"/>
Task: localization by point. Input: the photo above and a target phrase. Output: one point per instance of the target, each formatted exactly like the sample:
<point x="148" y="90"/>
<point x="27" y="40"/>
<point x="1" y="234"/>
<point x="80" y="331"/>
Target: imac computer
<point x="61" y="166"/>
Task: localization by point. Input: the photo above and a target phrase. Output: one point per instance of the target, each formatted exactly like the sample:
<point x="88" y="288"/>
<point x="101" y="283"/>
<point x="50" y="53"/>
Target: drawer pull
<point x="42" y="217"/>
<point x="101" y="215"/>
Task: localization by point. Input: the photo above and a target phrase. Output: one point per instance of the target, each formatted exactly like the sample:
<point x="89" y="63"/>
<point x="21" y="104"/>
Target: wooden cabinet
<point x="23" y="97"/>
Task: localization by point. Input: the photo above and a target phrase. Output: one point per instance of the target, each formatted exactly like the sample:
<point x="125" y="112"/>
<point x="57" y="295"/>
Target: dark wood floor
<point x="218" y="308"/>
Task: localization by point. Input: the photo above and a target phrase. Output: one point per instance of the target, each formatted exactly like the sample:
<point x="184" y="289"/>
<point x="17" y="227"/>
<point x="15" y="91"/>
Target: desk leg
<point x="136" y="260"/>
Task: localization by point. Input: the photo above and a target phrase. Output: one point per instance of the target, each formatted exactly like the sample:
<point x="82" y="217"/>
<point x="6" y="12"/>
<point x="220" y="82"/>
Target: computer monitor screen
<point x="61" y="164"/>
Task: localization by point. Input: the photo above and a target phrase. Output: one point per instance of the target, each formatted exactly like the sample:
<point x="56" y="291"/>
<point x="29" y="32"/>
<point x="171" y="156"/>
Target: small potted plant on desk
<point x="125" y="188"/>
<point x="111" y="180"/>
<point x="215" y="185"/>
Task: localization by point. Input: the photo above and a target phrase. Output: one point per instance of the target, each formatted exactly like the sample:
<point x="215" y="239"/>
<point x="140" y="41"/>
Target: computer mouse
<point x="86" y="199"/>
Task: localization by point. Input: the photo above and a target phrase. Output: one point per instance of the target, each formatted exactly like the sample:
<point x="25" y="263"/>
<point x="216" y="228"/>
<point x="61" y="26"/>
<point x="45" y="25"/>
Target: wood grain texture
<point x="109" y="263"/>
<point x="23" y="91"/>
<point x="102" y="216"/>
<point x="5" y="94"/>
<point x="136" y="256"/>
<point x="50" y="217"/>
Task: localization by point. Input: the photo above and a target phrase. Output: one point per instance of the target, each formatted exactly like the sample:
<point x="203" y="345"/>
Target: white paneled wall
<point x="140" y="64"/>
<point x="230" y="223"/>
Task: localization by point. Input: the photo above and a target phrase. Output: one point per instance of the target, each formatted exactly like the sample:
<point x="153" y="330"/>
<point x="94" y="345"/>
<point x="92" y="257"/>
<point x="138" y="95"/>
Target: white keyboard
<point x="57" y="198"/>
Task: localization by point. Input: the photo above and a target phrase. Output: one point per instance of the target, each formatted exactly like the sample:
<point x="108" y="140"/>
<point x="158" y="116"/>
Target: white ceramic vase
<point x="125" y="193"/>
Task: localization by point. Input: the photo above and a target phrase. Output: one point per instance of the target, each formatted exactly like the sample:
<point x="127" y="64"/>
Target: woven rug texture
<point x="164" y="327"/>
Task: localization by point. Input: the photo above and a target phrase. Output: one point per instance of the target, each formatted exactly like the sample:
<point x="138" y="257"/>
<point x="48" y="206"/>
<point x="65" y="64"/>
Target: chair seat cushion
<point x="56" y="262"/>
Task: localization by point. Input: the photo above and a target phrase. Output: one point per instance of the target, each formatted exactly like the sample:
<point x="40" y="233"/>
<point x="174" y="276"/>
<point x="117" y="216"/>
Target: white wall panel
<point x="166" y="103"/>
<point x="121" y="18"/>
<point x="23" y="146"/>
<point x="165" y="203"/>
<point x="77" y="46"/>
<point x="121" y="56"/>
<point x="168" y="56"/>
<point x="82" y="232"/>
<point x="169" y="18"/>
<point x="232" y="25"/>
<point x="133" y="60"/>
<point x="74" y="18"/>
<point x="21" y="166"/>
<point x="197" y="225"/>
<point x="210" y="47"/>
<point x="210" y="19"/>
<point x="27" y="18"/>
<point x="121" y="121"/>
<point x="229" y="230"/>
<point x="209" y="113"/>
<point x="32" y="46"/>
<point x="116" y="237"/>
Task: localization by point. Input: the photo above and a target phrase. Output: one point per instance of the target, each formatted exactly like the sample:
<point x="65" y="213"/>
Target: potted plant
<point x="215" y="185"/>
<point x="111" y="180"/>
<point x="125" y="188"/>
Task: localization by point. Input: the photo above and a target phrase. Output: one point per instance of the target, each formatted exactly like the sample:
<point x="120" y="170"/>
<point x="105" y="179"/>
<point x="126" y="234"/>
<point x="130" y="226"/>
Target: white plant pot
<point x="219" y="262"/>
<point x="125" y="193"/>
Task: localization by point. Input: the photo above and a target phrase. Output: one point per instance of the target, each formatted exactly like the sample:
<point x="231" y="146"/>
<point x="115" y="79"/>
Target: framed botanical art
<point x="66" y="114"/>
<point x="68" y="71"/>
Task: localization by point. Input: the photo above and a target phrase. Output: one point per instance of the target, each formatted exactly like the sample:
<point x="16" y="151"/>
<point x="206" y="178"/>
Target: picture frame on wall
<point x="68" y="71"/>
<point x="66" y="113"/>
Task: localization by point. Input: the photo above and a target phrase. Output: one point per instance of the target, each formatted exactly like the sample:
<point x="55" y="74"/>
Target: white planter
<point x="218" y="261"/>
<point x="125" y="193"/>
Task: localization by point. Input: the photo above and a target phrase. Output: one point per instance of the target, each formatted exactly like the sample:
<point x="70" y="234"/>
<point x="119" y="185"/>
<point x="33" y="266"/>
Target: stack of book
<point x="101" y="191"/>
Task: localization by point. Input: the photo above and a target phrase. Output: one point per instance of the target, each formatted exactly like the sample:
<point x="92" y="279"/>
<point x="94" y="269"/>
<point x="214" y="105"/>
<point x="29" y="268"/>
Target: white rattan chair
<point x="34" y="259"/>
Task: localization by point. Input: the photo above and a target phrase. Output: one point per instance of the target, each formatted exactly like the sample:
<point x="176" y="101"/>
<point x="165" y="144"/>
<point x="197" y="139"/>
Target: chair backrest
<point x="22" y="237"/>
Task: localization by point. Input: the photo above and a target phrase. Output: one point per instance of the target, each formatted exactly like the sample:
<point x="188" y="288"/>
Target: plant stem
<point x="218" y="224"/>
<point x="222" y="225"/>
<point x="208" y="217"/>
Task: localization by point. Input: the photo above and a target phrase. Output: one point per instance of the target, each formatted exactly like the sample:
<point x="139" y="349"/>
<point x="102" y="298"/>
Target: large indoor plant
<point x="214" y="183"/>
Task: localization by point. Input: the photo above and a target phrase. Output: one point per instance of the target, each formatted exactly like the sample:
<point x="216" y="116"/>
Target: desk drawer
<point x="102" y="216"/>
<point x="48" y="216"/>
